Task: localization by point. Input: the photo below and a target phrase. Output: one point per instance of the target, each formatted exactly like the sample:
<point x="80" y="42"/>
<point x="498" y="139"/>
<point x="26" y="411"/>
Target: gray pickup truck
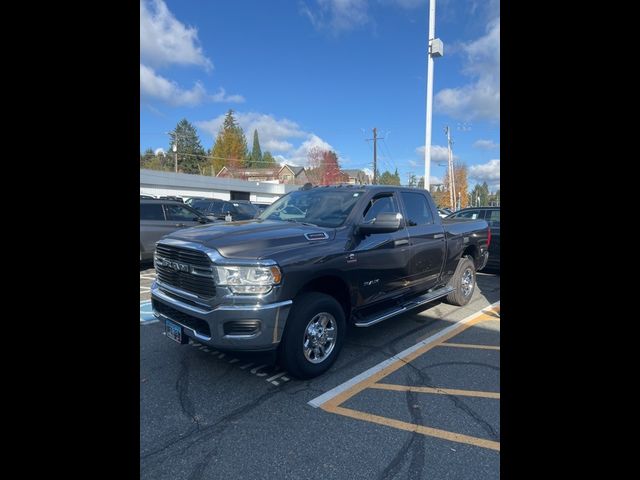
<point x="313" y="261"/>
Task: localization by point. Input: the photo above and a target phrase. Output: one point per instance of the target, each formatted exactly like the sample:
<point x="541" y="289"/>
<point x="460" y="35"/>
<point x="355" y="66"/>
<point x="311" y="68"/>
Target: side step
<point x="405" y="307"/>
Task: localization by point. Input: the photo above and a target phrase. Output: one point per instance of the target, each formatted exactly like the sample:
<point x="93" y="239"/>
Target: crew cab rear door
<point x="427" y="241"/>
<point x="381" y="259"/>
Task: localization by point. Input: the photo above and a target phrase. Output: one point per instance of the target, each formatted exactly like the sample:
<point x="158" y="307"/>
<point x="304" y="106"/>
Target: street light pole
<point x="175" y="153"/>
<point x="435" y="49"/>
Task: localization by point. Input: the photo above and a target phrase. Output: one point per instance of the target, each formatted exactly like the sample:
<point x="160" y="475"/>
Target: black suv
<point x="492" y="217"/>
<point x="218" y="209"/>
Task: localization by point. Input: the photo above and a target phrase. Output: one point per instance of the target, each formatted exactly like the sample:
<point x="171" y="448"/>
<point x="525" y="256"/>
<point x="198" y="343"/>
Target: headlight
<point x="255" y="280"/>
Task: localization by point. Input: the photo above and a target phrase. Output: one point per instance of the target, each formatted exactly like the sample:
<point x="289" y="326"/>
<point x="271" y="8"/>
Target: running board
<point x="405" y="307"/>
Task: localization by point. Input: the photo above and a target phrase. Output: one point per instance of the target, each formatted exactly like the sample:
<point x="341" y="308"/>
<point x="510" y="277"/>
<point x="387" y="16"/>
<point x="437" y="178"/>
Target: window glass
<point x="180" y="213"/>
<point x="151" y="211"/>
<point x="325" y="207"/>
<point x="380" y="205"/>
<point x="418" y="211"/>
<point x="493" y="218"/>
<point x="473" y="214"/>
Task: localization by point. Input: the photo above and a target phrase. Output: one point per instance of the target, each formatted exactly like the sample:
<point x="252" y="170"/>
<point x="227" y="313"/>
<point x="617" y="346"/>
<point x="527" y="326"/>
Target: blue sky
<point x="325" y="72"/>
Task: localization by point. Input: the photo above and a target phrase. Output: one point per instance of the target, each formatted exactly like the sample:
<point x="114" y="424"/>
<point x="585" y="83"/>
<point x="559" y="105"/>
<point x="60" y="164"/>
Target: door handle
<point x="398" y="243"/>
<point x="438" y="235"/>
<point x="180" y="225"/>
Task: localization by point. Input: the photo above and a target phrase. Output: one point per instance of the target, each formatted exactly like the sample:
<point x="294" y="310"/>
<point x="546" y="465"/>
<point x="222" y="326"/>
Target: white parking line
<point x="276" y="376"/>
<point x="325" y="397"/>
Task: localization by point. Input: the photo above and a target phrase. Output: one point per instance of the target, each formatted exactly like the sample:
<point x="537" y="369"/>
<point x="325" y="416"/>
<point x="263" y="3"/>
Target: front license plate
<point x="173" y="331"/>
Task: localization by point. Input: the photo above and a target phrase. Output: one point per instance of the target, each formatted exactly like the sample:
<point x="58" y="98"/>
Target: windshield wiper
<point x="302" y="223"/>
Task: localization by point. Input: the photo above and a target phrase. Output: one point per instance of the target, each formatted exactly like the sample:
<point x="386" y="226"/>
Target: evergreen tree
<point x="268" y="161"/>
<point x="191" y="155"/>
<point x="388" y="178"/>
<point x="256" y="154"/>
<point x="230" y="147"/>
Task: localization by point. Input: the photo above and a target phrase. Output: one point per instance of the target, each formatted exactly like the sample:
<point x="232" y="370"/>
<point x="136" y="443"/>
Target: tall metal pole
<point x="375" y="156"/>
<point x="427" y="140"/>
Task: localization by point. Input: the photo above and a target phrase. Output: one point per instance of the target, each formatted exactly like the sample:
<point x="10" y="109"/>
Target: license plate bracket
<point x="175" y="333"/>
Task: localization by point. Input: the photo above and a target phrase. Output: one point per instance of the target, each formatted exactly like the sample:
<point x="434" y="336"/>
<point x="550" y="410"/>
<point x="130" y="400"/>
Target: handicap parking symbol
<point x="146" y="313"/>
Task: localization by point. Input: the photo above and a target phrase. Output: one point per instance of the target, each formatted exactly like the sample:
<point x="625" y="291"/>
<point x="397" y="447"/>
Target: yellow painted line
<point x="376" y="377"/>
<point x="442" y="391"/>
<point x="469" y="345"/>
<point x="411" y="427"/>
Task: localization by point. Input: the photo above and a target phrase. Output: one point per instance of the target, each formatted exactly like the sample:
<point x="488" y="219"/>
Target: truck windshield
<point x="320" y="206"/>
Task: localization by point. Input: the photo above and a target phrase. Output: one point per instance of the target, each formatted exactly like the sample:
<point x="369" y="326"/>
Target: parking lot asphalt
<point x="416" y="396"/>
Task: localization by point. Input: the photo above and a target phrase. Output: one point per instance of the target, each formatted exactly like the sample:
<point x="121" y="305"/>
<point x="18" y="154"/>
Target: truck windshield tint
<point x="321" y="206"/>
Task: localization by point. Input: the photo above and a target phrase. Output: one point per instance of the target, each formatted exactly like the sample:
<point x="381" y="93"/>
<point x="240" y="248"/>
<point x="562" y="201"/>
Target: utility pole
<point x="452" y="181"/>
<point x="375" y="154"/>
<point x="435" y="49"/>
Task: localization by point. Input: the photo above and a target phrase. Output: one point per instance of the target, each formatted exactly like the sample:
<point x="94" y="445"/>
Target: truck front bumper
<point x="231" y="327"/>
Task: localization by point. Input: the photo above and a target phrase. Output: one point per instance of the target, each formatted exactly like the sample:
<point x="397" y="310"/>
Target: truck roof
<point x="366" y="187"/>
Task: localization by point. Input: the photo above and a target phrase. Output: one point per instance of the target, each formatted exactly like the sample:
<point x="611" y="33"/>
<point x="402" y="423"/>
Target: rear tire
<point x="313" y="336"/>
<point x="463" y="282"/>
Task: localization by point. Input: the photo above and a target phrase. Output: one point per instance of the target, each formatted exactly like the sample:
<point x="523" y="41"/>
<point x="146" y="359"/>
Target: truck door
<point x="382" y="258"/>
<point x="427" y="241"/>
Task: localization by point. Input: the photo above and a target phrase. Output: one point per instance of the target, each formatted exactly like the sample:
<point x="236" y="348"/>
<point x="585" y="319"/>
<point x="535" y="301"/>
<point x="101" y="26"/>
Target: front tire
<point x="313" y="336"/>
<point x="463" y="282"/>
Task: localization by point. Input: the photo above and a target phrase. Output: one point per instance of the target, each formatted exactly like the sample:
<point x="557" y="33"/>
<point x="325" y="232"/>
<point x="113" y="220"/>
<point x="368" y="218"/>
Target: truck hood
<point x="252" y="239"/>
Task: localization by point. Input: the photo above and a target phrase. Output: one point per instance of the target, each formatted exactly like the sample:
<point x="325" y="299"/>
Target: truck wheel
<point x="313" y="336"/>
<point x="463" y="282"/>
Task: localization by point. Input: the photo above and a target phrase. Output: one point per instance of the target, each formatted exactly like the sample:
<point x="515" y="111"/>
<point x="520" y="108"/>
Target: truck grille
<point x="191" y="270"/>
<point x="196" y="324"/>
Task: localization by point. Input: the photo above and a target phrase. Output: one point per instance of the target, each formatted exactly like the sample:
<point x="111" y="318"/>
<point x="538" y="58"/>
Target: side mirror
<point x="202" y="219"/>
<point x="383" y="223"/>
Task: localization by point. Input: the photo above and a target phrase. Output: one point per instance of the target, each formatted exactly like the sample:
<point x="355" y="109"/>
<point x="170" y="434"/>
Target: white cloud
<point x="479" y="99"/>
<point x="221" y="96"/>
<point x="273" y="133"/>
<point x="435" y="180"/>
<point x="338" y="15"/>
<point x="159" y="150"/>
<point x="156" y="86"/>
<point x="277" y="136"/>
<point x="413" y="163"/>
<point x="487" y="172"/>
<point x="485" y="144"/>
<point x="166" y="41"/>
<point x="299" y="155"/>
<point x="439" y="154"/>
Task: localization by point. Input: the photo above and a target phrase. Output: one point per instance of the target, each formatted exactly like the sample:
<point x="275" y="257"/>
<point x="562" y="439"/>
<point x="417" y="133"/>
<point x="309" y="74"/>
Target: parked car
<point x="146" y="197"/>
<point x="172" y="197"/>
<point x="492" y="217"/>
<point x="190" y="200"/>
<point x="215" y="208"/>
<point x="161" y="217"/>
<point x="443" y="212"/>
<point x="261" y="206"/>
<point x="315" y="260"/>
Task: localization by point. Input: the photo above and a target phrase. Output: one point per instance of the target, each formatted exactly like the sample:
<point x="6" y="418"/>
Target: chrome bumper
<point x="272" y="318"/>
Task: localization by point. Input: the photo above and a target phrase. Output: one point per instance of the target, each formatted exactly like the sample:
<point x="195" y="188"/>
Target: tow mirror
<point x="384" y="223"/>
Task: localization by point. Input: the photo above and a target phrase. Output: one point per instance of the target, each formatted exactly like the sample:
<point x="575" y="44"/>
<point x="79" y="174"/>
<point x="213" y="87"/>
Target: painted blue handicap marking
<point x="146" y="313"/>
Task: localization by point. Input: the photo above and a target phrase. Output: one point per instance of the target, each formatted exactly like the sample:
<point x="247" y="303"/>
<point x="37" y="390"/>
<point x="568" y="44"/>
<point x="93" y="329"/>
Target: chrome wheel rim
<point x="466" y="284"/>
<point x="320" y="337"/>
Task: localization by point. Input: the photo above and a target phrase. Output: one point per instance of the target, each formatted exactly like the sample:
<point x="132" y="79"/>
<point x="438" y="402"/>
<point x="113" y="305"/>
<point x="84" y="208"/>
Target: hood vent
<point x="316" y="236"/>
